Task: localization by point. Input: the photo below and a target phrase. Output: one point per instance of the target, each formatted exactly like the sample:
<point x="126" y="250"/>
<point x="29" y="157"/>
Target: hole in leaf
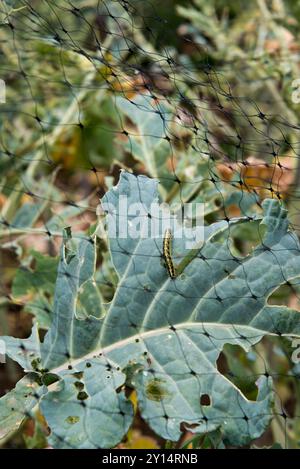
<point x="82" y="395"/>
<point x="237" y="366"/>
<point x="205" y="400"/>
<point x="286" y="295"/>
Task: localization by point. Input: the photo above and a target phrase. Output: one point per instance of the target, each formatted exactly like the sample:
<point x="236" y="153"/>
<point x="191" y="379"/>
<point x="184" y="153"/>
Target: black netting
<point x="194" y="103"/>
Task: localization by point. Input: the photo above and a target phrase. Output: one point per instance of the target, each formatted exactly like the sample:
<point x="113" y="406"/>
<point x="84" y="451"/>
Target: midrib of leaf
<point x="257" y="333"/>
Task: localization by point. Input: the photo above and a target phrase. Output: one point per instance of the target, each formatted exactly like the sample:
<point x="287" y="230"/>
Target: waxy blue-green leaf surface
<point x="163" y="336"/>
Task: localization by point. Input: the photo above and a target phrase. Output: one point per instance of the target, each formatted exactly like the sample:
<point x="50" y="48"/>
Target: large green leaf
<point x="163" y="336"/>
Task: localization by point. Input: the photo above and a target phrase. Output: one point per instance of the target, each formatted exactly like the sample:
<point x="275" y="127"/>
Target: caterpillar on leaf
<point x="167" y="247"/>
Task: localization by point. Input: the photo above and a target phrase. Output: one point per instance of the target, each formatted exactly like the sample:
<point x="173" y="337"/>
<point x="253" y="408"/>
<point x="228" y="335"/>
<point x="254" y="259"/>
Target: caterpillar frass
<point x="167" y="246"/>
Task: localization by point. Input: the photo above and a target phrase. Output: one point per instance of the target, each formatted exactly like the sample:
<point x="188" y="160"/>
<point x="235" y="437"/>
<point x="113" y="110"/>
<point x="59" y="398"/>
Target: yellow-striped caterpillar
<point x="167" y="246"/>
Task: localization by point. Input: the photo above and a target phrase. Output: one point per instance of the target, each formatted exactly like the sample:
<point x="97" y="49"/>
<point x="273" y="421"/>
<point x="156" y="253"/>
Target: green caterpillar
<point x="167" y="246"/>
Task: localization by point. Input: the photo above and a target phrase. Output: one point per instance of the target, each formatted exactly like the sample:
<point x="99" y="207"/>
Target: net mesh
<point x="203" y="99"/>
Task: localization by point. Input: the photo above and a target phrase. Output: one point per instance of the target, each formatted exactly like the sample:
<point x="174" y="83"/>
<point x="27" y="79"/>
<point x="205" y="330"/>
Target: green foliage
<point x="190" y="103"/>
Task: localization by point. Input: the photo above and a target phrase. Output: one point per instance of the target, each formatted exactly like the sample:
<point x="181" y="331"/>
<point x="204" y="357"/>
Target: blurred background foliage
<point x="85" y="96"/>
